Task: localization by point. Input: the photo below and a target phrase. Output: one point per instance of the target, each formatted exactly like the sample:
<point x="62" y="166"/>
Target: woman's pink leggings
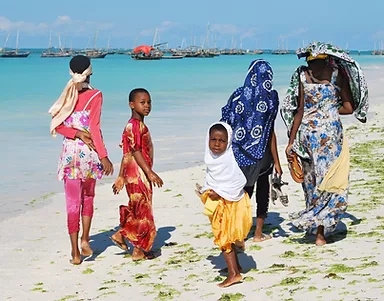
<point x="79" y="197"/>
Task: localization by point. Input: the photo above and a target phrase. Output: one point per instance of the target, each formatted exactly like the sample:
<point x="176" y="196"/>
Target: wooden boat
<point x="95" y="54"/>
<point x="51" y="52"/>
<point x="14" y="53"/>
<point x="170" y="57"/>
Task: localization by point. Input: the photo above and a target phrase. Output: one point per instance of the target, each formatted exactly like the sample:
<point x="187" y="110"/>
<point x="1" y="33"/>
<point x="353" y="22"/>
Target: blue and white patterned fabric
<point x="251" y="112"/>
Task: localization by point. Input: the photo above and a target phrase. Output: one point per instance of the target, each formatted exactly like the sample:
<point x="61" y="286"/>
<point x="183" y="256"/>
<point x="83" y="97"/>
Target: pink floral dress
<point x="77" y="161"/>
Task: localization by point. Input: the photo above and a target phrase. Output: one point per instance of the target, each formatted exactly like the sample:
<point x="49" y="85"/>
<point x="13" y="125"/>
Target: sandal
<point x="198" y="190"/>
<point x="296" y="169"/>
<point x="276" y="193"/>
<point x="118" y="244"/>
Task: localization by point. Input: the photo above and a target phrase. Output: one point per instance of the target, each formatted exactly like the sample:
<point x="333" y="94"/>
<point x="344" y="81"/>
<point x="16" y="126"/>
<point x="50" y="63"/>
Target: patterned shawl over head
<point x="347" y="65"/>
<point x="251" y="112"/>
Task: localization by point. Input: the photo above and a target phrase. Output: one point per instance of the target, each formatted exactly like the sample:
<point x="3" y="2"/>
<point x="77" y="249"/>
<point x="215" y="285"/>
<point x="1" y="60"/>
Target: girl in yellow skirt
<point x="226" y="203"/>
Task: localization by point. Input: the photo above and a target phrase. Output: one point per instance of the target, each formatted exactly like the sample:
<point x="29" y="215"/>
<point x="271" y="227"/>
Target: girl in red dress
<point x="136" y="220"/>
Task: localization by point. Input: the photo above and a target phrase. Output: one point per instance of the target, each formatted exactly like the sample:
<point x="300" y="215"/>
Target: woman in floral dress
<point x="318" y="95"/>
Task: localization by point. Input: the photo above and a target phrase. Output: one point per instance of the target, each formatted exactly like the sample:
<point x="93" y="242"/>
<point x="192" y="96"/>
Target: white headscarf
<point x="65" y="104"/>
<point x="223" y="175"/>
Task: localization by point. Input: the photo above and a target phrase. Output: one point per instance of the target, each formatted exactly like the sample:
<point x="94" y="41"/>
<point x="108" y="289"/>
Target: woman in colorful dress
<point x="137" y="223"/>
<point x="251" y="112"/>
<point x="332" y="85"/>
<point x="84" y="159"/>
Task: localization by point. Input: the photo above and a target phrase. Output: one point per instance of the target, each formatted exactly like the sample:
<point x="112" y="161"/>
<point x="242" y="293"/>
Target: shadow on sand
<point x="247" y="262"/>
<point x="101" y="241"/>
<point x="340" y="233"/>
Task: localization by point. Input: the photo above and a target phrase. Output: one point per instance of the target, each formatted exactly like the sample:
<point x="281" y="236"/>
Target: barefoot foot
<point x="138" y="254"/>
<point x="86" y="250"/>
<point x="76" y="260"/>
<point x="230" y="280"/>
<point x="320" y="240"/>
<point x="261" y="238"/>
<point x="225" y="270"/>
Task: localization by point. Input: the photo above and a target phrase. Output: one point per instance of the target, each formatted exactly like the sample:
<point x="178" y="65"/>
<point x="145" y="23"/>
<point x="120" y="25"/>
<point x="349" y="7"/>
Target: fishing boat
<point x="14" y="53"/>
<point x="146" y="52"/>
<point x="94" y="53"/>
<point x="52" y="52"/>
<point x="172" y="57"/>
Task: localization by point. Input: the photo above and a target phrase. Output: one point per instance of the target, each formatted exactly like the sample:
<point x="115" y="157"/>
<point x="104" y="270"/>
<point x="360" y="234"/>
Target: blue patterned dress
<point x="321" y="137"/>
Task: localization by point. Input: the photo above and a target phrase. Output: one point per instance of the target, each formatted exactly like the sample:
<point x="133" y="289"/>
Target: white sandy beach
<point x="35" y="248"/>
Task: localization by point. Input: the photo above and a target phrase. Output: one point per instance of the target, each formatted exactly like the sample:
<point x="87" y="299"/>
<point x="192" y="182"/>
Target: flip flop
<point x="276" y="193"/>
<point x="118" y="244"/>
<point x="296" y="169"/>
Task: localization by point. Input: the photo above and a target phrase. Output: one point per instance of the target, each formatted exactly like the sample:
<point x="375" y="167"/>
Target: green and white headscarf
<point x="347" y="65"/>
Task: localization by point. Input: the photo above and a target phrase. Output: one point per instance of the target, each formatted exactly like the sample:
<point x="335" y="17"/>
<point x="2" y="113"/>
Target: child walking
<point x="136" y="220"/>
<point x="84" y="159"/>
<point x="226" y="203"/>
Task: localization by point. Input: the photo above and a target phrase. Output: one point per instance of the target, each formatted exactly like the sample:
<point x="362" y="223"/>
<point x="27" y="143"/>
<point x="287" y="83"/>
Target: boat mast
<point x="154" y="38"/>
<point x="17" y="41"/>
<point x="95" y="39"/>
<point x="6" y="41"/>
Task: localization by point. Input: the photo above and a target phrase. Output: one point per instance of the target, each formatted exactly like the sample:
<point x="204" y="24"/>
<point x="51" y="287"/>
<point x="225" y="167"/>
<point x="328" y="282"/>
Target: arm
<point x="94" y="124"/>
<point x="298" y="116"/>
<point x="67" y="132"/>
<point x="274" y="152"/>
<point x="132" y="143"/>
<point x="346" y="96"/>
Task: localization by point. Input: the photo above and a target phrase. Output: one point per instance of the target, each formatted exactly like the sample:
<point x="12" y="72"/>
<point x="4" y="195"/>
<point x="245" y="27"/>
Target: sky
<point x="268" y="25"/>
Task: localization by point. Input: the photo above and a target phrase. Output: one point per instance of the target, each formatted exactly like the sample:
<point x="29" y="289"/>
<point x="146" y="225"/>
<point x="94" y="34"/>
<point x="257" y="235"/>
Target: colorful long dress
<point x="136" y="220"/>
<point x="321" y="137"/>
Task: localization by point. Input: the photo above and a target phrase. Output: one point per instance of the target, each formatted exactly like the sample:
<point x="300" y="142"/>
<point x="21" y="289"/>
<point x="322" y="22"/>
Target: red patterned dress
<point x="136" y="220"/>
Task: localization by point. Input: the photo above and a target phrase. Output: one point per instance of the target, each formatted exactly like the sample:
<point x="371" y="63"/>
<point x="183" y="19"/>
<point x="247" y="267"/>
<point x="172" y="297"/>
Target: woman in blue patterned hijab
<point x="251" y="112"/>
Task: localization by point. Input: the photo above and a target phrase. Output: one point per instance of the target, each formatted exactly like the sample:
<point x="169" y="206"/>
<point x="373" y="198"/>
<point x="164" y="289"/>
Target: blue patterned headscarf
<point x="251" y="112"/>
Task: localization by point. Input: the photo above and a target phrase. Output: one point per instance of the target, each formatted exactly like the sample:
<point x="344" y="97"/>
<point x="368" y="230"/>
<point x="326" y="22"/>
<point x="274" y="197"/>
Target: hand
<point x="288" y="153"/>
<point x="86" y="138"/>
<point x="278" y="169"/>
<point x="214" y="196"/>
<point x="107" y="166"/>
<point x="118" y="185"/>
<point x="155" y="179"/>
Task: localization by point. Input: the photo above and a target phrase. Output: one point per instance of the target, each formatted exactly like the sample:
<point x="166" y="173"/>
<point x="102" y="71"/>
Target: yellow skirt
<point x="231" y="221"/>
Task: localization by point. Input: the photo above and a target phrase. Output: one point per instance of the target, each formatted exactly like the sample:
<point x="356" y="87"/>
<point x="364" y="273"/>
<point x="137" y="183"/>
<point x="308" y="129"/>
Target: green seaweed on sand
<point x="178" y="195"/>
<point x="333" y="276"/>
<point x="67" y="297"/>
<point x="288" y="254"/>
<point x="205" y="234"/>
<point x="340" y="268"/>
<point x="231" y="297"/>
<point x="140" y="276"/>
<point x="292" y="281"/>
<point x="168" y="294"/>
<point x="87" y="271"/>
<point x="254" y="248"/>
<point x="368" y="265"/>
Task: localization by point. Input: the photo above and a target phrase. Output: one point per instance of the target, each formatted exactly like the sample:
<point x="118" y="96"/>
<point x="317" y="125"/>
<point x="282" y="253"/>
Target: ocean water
<point x="187" y="96"/>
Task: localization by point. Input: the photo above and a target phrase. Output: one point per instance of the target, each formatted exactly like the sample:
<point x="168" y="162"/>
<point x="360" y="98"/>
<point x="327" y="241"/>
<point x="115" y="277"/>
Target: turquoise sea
<point x="187" y="97"/>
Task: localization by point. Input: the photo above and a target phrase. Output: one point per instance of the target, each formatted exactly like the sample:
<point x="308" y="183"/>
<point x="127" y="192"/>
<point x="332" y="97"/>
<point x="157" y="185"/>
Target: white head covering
<point x="223" y="175"/>
<point x="65" y="104"/>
